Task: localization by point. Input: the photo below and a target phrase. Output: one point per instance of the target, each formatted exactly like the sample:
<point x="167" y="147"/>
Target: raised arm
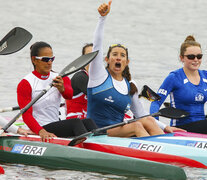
<point x="97" y="71"/>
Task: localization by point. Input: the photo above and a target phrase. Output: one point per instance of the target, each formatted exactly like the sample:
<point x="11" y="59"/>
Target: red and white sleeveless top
<point x="46" y="109"/>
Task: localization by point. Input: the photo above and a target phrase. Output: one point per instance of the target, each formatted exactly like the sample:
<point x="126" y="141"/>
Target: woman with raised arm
<point x="187" y="88"/>
<point x="43" y="117"/>
<point x="111" y="92"/>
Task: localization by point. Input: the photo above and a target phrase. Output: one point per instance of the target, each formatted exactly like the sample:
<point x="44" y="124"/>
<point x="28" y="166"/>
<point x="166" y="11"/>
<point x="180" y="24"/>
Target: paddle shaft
<point x="8" y="109"/>
<point x="165" y="112"/>
<point x="25" y="109"/>
<point x="73" y="142"/>
<point x="127" y="122"/>
<point x="142" y="94"/>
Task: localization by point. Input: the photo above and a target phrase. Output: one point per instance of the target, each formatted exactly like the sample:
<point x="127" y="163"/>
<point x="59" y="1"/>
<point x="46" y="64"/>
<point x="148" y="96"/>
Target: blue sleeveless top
<point x="106" y="106"/>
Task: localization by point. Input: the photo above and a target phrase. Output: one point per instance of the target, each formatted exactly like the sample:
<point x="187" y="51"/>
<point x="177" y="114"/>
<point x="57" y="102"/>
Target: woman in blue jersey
<point x="187" y="87"/>
<point x="111" y="92"/>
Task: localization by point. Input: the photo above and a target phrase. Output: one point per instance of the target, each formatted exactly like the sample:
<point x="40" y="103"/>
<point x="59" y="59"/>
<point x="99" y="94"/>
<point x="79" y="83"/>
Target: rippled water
<point x="152" y="31"/>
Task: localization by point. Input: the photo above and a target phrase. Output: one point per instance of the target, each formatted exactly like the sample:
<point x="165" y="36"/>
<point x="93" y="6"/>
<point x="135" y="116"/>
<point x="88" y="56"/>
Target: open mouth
<point x="118" y="65"/>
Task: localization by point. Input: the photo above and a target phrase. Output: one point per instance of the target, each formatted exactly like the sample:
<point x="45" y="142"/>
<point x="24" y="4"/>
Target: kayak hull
<point x="138" y="148"/>
<point x="186" y="139"/>
<point x="187" y="154"/>
<point x="15" y="150"/>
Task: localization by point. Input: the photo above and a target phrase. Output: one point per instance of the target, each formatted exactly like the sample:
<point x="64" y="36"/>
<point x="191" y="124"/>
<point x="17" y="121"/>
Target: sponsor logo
<point x="146" y="147"/>
<point x="134" y="145"/>
<point x="199" y="97"/>
<point x="3" y="46"/>
<point x="204" y="80"/>
<point x="109" y="99"/>
<point x="190" y="144"/>
<point x="201" y="145"/>
<point x="162" y="91"/>
<point x="44" y="77"/>
<point x="27" y="149"/>
<point x="185" y="81"/>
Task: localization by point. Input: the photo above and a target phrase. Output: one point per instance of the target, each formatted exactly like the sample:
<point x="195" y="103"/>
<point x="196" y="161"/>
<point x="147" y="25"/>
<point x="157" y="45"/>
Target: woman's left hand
<point x="59" y="84"/>
<point x="170" y="129"/>
<point x="104" y="9"/>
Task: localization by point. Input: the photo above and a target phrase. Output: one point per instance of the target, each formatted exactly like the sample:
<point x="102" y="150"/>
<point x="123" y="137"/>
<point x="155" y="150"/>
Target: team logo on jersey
<point x="204" y="80"/>
<point x="185" y="81"/>
<point x="109" y="99"/>
<point x="44" y="77"/>
<point x="162" y="91"/>
<point x="199" y="97"/>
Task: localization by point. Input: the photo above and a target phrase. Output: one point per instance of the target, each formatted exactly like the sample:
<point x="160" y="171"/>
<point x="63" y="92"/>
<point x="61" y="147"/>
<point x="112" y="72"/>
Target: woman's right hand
<point x="104" y="9"/>
<point x="46" y="136"/>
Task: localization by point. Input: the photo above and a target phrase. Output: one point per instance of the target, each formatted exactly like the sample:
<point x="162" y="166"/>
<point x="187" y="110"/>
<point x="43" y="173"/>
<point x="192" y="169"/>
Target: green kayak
<point x="15" y="150"/>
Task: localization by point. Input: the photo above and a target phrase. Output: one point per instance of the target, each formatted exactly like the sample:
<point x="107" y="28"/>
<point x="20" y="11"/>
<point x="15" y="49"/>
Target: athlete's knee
<point x="148" y="121"/>
<point x="138" y="125"/>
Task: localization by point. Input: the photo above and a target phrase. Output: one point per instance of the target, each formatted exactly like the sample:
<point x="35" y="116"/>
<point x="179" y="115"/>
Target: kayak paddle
<point x="74" y="66"/>
<point x="165" y="112"/>
<point x="14" y="108"/>
<point x="146" y="93"/>
<point x="15" y="40"/>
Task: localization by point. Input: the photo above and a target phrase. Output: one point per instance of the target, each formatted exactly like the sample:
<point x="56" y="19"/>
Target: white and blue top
<point x="109" y="99"/>
<point x="183" y="95"/>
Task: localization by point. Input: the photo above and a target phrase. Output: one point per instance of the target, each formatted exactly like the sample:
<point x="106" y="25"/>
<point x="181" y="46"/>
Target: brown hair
<point x="189" y="41"/>
<point x="126" y="73"/>
<point x="85" y="46"/>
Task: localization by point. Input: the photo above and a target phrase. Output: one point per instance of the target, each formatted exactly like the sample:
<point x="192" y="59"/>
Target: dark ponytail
<point x="127" y="75"/>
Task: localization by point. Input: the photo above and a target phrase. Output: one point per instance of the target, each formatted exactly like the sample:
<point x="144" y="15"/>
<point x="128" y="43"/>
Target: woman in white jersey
<point x="43" y="117"/>
<point x="111" y="92"/>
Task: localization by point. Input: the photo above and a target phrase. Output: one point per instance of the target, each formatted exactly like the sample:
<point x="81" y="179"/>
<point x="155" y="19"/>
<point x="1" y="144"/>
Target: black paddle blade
<point x="77" y="141"/>
<point x="15" y="40"/>
<point x="149" y="94"/>
<point x="173" y="113"/>
<point x="79" y="63"/>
